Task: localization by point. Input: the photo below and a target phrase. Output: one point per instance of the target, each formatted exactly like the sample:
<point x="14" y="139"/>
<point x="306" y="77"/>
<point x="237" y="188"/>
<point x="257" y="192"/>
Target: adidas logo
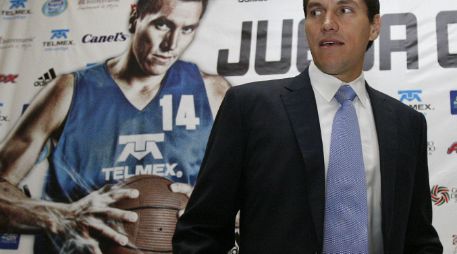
<point x="46" y="78"/>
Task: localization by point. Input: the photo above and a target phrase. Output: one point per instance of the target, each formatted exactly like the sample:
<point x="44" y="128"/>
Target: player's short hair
<point x="144" y="7"/>
<point x="373" y="10"/>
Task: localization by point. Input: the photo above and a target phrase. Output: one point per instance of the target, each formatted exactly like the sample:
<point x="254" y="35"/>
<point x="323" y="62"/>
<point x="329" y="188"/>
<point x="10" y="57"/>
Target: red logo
<point x="440" y="195"/>
<point x="8" y="78"/>
<point x="453" y="148"/>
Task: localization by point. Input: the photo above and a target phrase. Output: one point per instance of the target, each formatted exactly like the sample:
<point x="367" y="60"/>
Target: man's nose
<point x="330" y="23"/>
<point x="170" y="41"/>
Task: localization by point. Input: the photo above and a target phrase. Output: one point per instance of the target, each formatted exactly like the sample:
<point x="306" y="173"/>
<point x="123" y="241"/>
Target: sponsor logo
<point x="59" y="34"/>
<point x="9" y="241"/>
<point x="454" y="102"/>
<point x="59" y="40"/>
<point x="53" y="8"/>
<point x="19" y="43"/>
<point x="452" y="148"/>
<point x="46" y="78"/>
<point x="17" y="4"/>
<point x="3" y="118"/>
<point x="8" y="78"/>
<point x="90" y="38"/>
<point x="97" y="4"/>
<point x="413" y="98"/>
<point x="138" y="147"/>
<point x="410" y="95"/>
<point x="431" y="147"/>
<point x="17" y="10"/>
<point x="442" y="195"/>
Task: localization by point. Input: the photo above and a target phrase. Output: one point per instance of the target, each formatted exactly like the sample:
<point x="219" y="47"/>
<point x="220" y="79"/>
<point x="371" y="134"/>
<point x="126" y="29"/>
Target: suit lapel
<point x="300" y="104"/>
<point x="386" y="129"/>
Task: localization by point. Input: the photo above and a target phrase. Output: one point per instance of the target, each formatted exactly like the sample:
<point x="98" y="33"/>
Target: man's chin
<point x="157" y="69"/>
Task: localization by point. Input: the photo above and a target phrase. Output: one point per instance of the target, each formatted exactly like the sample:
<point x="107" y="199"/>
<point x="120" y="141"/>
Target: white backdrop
<point x="414" y="60"/>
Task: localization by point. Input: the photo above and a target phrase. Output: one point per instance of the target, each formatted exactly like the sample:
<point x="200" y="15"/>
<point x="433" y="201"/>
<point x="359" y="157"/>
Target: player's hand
<point x="93" y="212"/>
<point x="183" y="188"/>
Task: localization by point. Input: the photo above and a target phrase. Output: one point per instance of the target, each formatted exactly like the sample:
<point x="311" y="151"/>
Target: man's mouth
<point x="330" y="43"/>
<point x="163" y="59"/>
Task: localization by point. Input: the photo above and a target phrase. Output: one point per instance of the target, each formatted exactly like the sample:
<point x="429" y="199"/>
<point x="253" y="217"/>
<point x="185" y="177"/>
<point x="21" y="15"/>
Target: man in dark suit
<point x="272" y="155"/>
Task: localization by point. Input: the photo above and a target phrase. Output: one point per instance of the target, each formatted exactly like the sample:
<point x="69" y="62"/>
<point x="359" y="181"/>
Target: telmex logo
<point x="8" y="78"/>
<point x="59" y="34"/>
<point x="452" y="148"/>
<point x="410" y="95"/>
<point x="139" y="146"/>
<point x="16" y="4"/>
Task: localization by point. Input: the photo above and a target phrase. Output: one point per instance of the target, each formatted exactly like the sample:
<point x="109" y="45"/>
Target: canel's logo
<point x="16" y="4"/>
<point x="139" y="146"/>
<point x="59" y="34"/>
<point x="410" y="95"/>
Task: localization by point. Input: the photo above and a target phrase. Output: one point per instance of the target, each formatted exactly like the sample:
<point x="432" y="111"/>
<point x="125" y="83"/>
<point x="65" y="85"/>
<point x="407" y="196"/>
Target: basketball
<point x="157" y="208"/>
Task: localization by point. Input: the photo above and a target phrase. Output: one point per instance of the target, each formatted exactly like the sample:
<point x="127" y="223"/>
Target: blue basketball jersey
<point x="106" y="139"/>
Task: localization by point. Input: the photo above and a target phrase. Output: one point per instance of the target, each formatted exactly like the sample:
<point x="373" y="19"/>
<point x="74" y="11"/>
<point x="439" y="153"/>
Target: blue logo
<point x="410" y="95"/>
<point x="16" y="4"/>
<point x="9" y="241"/>
<point x="454" y="102"/>
<point x="54" y="7"/>
<point x="59" y="33"/>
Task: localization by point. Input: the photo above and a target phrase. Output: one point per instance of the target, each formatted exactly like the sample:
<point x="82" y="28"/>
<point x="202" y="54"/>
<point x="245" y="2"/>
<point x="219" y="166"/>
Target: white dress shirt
<point x="325" y="87"/>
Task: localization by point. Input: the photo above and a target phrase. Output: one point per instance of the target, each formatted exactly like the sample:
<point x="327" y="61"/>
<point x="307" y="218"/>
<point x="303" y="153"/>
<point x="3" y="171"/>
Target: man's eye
<point x="188" y="30"/>
<point x="162" y="26"/>
<point x="316" y="12"/>
<point x="346" y="10"/>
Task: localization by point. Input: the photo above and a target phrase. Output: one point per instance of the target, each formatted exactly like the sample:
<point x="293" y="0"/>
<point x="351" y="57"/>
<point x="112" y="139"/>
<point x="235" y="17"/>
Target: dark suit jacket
<point x="264" y="157"/>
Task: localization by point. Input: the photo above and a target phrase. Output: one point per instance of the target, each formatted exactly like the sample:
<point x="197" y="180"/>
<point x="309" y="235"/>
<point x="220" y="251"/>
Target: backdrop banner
<point x="237" y="41"/>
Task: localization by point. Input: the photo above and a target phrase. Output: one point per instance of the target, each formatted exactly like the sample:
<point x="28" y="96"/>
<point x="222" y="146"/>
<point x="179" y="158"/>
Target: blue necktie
<point x="346" y="211"/>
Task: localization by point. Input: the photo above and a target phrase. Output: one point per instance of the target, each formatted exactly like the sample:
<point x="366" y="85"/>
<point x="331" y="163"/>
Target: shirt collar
<point x="327" y="85"/>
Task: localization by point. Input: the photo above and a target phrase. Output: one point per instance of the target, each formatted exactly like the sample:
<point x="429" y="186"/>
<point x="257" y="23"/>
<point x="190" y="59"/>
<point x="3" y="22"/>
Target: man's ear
<point x="132" y="19"/>
<point x="375" y="27"/>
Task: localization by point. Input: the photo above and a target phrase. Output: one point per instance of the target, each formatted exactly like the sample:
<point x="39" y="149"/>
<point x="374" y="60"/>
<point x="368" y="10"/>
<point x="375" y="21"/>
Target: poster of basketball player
<point x="144" y="112"/>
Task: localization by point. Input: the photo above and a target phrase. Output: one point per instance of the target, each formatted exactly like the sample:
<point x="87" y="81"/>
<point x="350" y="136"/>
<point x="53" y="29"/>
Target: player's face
<point x="160" y="38"/>
<point x="338" y="32"/>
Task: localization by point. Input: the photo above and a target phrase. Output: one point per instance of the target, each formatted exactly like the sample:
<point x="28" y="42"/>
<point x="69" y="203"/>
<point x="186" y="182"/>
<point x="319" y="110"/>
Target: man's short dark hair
<point x="145" y="7"/>
<point x="373" y="10"/>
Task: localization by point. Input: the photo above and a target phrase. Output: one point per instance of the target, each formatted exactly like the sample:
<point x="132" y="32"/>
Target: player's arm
<point x="22" y="146"/>
<point x="19" y="151"/>
<point x="216" y="86"/>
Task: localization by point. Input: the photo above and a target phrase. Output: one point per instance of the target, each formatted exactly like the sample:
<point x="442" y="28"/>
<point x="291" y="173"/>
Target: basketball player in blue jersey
<point x="143" y="112"/>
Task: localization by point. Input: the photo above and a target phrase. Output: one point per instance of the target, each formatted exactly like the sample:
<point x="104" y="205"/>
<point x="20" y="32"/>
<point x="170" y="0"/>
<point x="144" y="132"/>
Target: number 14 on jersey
<point x="185" y="115"/>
